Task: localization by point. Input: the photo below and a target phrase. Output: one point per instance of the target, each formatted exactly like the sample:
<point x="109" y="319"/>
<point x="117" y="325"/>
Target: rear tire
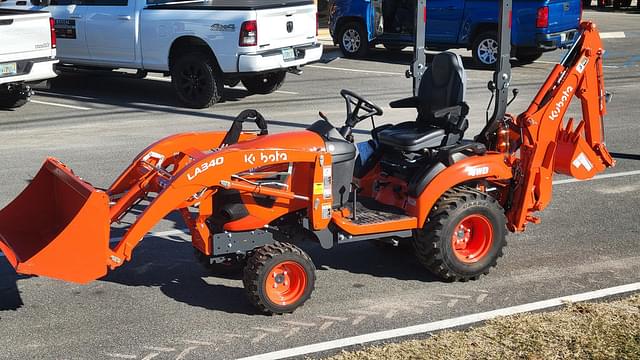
<point x="12" y="99"/>
<point x="197" y="80"/>
<point x="485" y="49"/>
<point x="353" y="40"/>
<point x="265" y="83"/>
<point x="279" y="278"/>
<point x="464" y="235"/>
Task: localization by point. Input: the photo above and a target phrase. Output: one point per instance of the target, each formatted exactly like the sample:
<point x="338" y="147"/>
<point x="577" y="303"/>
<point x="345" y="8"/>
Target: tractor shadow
<point x="372" y="258"/>
<point x="10" y="298"/>
<point x="117" y="89"/>
<point x="168" y="263"/>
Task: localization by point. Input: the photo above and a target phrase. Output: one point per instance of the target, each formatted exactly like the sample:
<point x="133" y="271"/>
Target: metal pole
<point x="419" y="57"/>
<point x="502" y="74"/>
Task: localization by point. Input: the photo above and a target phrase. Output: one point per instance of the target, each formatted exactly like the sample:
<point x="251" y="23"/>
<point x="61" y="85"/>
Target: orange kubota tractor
<point x="247" y="196"/>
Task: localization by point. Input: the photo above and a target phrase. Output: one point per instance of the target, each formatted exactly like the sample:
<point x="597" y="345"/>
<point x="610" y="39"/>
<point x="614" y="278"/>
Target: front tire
<point x="485" y="49"/>
<point x="353" y="40"/>
<point x="279" y="278"/>
<point x="265" y="83"/>
<point x="197" y="81"/>
<point x="464" y="235"/>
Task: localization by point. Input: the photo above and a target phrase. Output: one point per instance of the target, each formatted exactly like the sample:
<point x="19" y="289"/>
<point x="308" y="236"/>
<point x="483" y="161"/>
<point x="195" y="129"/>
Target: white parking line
<point x="555" y="63"/>
<point x="613" y="35"/>
<point x="168" y="79"/>
<point x="443" y="324"/>
<point x="60" y="105"/>
<point x="599" y="177"/>
<point x="557" y="182"/>
<point x="353" y="70"/>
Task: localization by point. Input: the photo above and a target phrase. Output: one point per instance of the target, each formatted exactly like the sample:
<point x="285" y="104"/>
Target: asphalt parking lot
<point x="162" y="305"/>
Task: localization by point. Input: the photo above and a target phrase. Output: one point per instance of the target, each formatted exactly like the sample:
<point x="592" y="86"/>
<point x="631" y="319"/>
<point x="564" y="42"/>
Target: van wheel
<point x="464" y="235"/>
<point x="353" y="40"/>
<point x="197" y="81"/>
<point x="485" y="49"/>
<point x="265" y="83"/>
<point x="279" y="278"/>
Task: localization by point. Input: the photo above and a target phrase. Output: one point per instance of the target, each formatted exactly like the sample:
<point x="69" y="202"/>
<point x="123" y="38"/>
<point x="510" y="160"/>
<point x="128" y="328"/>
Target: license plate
<point x="288" y="54"/>
<point x="8" y="69"/>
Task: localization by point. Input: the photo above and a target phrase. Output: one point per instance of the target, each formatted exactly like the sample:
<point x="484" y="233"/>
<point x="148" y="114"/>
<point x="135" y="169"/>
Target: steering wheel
<point x="361" y="104"/>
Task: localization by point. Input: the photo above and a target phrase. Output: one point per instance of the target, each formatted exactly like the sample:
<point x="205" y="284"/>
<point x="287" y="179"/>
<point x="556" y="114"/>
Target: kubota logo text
<point x="266" y="157"/>
<point x="204" y="167"/>
<point x="566" y="95"/>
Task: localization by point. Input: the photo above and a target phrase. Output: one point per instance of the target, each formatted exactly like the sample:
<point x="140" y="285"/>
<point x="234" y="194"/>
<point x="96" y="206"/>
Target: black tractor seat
<point x="410" y="138"/>
<point x="441" y="109"/>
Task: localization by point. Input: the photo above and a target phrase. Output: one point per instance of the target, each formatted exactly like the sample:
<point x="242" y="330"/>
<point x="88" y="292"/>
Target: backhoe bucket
<point x="57" y="227"/>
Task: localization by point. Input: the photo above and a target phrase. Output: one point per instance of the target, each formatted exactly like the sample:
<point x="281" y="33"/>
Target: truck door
<point x="111" y="27"/>
<point x="444" y="18"/>
<point x="70" y="29"/>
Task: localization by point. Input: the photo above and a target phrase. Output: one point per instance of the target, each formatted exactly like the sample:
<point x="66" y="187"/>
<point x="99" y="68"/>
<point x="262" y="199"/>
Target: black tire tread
<point x="258" y="261"/>
<point x="427" y="245"/>
<point x="217" y="79"/>
<point x="12" y="101"/>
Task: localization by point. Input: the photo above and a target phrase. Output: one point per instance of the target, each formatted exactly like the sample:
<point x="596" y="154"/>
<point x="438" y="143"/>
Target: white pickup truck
<point x="203" y="45"/>
<point x="27" y="54"/>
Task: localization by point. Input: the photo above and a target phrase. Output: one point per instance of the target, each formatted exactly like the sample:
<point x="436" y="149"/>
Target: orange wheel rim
<point x="472" y="238"/>
<point x="285" y="283"/>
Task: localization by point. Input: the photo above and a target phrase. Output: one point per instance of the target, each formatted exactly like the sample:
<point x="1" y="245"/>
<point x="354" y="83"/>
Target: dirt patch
<point x="609" y="330"/>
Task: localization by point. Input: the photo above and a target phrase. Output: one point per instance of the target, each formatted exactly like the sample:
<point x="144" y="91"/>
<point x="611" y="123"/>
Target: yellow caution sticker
<point x="318" y="188"/>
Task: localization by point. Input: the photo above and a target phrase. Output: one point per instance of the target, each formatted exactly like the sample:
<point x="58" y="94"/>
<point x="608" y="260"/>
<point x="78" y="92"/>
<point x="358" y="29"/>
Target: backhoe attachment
<point x="547" y="145"/>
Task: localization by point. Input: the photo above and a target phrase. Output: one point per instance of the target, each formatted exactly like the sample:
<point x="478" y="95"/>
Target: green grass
<point x="609" y="330"/>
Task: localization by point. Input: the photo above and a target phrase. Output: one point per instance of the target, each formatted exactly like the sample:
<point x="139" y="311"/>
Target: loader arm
<point x="546" y="145"/>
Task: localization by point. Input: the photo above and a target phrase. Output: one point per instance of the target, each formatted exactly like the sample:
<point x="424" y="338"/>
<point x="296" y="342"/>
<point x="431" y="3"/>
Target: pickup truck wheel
<point x="485" y="49"/>
<point x="464" y="235"/>
<point x="265" y="83"/>
<point x="13" y="99"/>
<point x="197" y="81"/>
<point x="353" y="40"/>
<point x="528" y="57"/>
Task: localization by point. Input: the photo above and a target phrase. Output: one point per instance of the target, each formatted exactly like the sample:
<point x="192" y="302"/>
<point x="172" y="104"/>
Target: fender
<point x="492" y="166"/>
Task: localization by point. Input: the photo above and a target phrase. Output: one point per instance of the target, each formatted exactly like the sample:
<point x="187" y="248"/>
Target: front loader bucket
<point x="57" y="227"/>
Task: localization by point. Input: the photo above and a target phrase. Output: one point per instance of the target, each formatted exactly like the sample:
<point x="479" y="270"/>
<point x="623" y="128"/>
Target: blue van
<point x="537" y="26"/>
